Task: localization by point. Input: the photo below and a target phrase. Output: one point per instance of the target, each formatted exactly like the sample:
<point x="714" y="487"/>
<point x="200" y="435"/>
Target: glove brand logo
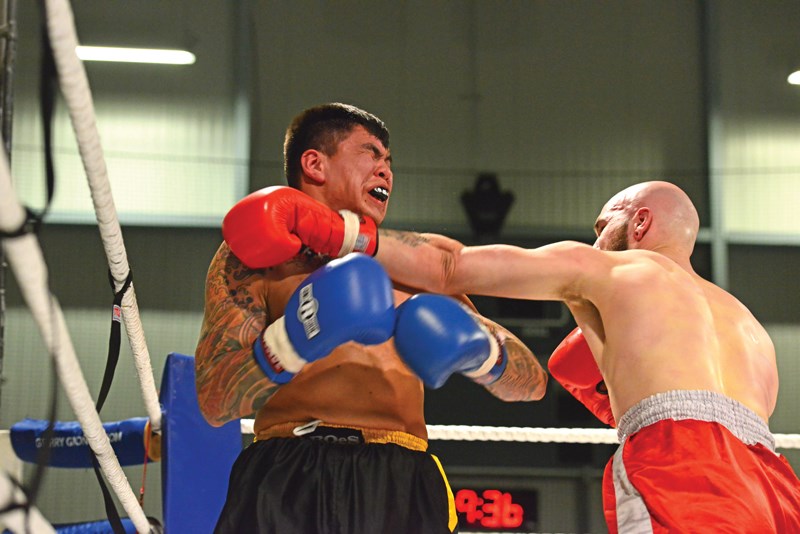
<point x="307" y="311"/>
<point x="362" y="242"/>
<point x="272" y="358"/>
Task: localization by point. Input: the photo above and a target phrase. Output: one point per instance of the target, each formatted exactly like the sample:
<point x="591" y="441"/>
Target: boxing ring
<point x="172" y="431"/>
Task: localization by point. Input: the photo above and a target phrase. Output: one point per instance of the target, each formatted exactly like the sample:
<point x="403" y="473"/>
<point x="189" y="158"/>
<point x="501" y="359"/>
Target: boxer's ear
<point x="313" y="163"/>
<point x="642" y="221"/>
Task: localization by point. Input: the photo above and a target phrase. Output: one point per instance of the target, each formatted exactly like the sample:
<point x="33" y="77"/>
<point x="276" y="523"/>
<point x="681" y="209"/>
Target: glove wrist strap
<point x="275" y="355"/>
<point x="499" y="366"/>
<point x="495" y="363"/>
<point x="351" y="228"/>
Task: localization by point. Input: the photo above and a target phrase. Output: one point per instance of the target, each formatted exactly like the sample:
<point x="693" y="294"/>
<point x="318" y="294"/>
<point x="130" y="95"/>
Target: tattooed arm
<point x="524" y="378"/>
<point x="229" y="383"/>
<point x="422" y="261"/>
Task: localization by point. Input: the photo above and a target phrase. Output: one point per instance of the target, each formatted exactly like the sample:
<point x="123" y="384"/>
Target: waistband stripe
<point x="369" y="435"/>
<point x="699" y="405"/>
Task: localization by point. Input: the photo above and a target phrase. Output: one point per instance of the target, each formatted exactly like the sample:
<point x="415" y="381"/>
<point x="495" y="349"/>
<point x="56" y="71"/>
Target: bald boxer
<point x="690" y="373"/>
<point x="308" y="345"/>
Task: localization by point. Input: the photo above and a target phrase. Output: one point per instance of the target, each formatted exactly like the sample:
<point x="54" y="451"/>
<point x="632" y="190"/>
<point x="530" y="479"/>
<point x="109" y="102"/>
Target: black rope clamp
<point x="114" y="338"/>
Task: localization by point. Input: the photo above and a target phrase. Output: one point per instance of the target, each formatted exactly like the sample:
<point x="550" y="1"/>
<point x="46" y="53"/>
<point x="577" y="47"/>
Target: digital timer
<point x="492" y="509"/>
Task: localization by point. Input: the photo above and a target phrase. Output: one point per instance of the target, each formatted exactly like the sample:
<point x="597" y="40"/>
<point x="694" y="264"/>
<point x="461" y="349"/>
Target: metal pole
<point x="9" y="52"/>
<point x="715" y="145"/>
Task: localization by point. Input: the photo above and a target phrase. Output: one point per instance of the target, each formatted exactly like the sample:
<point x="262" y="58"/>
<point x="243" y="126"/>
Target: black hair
<point x="322" y="128"/>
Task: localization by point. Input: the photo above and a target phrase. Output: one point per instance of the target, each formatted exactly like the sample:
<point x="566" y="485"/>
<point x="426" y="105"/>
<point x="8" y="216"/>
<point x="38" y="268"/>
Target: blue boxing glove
<point x="349" y="299"/>
<point x="437" y="336"/>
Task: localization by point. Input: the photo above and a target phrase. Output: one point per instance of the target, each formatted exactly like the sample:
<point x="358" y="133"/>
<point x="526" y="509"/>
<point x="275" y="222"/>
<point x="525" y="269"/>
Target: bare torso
<point x="655" y="327"/>
<point x="356" y="385"/>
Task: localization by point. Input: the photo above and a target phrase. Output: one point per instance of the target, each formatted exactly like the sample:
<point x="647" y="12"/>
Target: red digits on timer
<point x="494" y="509"/>
<point x="499" y="511"/>
<point x="468" y="503"/>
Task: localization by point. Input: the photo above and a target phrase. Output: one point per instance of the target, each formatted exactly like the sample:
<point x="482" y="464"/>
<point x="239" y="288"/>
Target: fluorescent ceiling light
<point x="794" y="78"/>
<point x="135" y="55"/>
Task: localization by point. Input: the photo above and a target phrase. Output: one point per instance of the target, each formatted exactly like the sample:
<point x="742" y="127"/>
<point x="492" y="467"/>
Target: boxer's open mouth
<point x="380" y="193"/>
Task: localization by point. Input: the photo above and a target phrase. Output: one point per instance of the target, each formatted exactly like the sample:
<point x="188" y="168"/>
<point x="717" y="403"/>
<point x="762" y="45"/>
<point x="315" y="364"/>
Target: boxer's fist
<point x="573" y="365"/>
<point x="270" y="226"/>
<point x="349" y="299"/>
<point x="437" y="336"/>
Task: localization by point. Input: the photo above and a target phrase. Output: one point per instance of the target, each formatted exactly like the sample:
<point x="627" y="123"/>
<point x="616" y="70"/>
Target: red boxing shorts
<point x="698" y="461"/>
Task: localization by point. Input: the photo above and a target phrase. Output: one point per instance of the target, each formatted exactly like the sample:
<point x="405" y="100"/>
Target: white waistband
<point x="699" y="405"/>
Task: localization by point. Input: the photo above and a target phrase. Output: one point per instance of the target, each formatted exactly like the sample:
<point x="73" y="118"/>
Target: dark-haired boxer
<point x="307" y="345"/>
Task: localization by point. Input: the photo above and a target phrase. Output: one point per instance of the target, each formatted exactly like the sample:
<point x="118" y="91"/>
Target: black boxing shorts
<point x="336" y="480"/>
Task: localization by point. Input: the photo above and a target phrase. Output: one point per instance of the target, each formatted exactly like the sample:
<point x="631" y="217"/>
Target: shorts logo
<point x="341" y="436"/>
<point x="343" y="440"/>
<point x="307" y="311"/>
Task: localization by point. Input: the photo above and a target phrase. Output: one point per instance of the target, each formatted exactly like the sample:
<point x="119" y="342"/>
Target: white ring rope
<point x="537" y="435"/>
<point x="27" y="261"/>
<point x="20" y="520"/>
<point x="78" y="97"/>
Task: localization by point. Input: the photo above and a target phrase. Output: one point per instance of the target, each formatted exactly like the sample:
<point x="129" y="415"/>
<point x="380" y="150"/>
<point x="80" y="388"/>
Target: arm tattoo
<point x="412" y="239"/>
<point x="229" y="383"/>
<point x="524" y="378"/>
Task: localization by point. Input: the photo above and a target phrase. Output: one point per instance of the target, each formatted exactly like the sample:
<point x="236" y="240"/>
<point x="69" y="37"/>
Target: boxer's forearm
<point x="524" y="378"/>
<point x="229" y="383"/>
<point x="422" y="261"/>
<point x="438" y="264"/>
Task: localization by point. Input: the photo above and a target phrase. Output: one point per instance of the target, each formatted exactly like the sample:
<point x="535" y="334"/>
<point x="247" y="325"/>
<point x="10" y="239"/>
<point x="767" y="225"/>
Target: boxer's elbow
<point x="530" y="375"/>
<point x="210" y="407"/>
<point x="212" y="397"/>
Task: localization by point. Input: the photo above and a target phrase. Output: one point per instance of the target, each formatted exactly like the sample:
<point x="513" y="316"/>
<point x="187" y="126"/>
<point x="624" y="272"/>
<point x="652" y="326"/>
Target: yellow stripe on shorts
<point x="451" y="502"/>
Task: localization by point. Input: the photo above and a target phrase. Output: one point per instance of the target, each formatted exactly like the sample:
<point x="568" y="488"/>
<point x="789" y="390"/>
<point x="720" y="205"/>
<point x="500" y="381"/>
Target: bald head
<point x="657" y="216"/>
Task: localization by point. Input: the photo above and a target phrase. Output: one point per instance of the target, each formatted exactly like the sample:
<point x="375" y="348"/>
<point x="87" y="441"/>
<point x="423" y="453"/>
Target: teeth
<point x="381" y="193"/>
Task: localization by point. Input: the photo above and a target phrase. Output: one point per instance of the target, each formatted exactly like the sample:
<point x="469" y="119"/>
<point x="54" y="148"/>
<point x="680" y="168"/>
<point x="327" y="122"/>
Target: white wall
<point x="757" y="116"/>
<point x="169" y="132"/>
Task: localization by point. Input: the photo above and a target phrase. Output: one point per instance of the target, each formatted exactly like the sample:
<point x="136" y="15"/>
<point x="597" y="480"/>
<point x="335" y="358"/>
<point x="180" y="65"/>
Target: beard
<point x="618" y="241"/>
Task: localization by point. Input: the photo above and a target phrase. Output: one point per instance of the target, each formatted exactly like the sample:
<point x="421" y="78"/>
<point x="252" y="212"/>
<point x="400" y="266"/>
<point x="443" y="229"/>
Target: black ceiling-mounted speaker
<point x="486" y="205"/>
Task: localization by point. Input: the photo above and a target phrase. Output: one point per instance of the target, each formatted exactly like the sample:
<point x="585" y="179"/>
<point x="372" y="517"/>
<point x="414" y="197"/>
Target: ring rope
<point x="27" y="262"/>
<point x="24" y="519"/>
<point x="74" y="86"/>
<point x="77" y="95"/>
<point x="537" y="434"/>
<point x="26" y="259"/>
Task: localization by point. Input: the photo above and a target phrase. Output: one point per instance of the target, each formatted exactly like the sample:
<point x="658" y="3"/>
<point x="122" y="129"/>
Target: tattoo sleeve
<point x="229" y="383"/>
<point x="524" y="378"/>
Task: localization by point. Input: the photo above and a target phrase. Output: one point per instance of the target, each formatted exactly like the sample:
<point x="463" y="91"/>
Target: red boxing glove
<point x="271" y="225"/>
<point x="573" y="365"/>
